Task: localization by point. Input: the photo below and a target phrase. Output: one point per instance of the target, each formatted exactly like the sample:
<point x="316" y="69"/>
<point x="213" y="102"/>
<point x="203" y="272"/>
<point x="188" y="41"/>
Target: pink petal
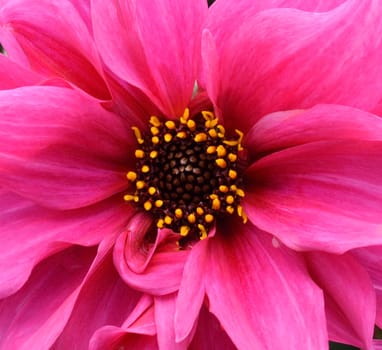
<point x="30" y="233"/>
<point x="155" y="267"/>
<point x="60" y="148"/>
<point x="288" y="59"/>
<point x="56" y="42"/>
<point x="280" y="130"/>
<point x="256" y="289"/>
<point x="153" y="46"/>
<point x="104" y="297"/>
<point x="323" y="195"/>
<point x="33" y="317"/>
<point x="356" y="302"/>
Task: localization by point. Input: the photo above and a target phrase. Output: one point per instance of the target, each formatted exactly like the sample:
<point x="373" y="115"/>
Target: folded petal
<point x="60" y="148"/>
<point x="322" y="195"/>
<point x="56" y="41"/>
<point x="268" y="288"/>
<point x="280" y="130"/>
<point x="34" y="316"/>
<point x="30" y="233"/>
<point x="355" y="304"/>
<point x="288" y="59"/>
<point x="154" y="46"/>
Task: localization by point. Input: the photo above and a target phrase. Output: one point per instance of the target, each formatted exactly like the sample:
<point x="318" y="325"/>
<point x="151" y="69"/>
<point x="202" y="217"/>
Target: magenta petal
<point x="288" y="59"/>
<point x="34" y="316"/>
<point x="356" y="302"/>
<point x="268" y="289"/>
<point x="155" y="268"/>
<point x="280" y="130"/>
<point x="60" y="148"/>
<point x="322" y="196"/>
<point x="56" y="42"/>
<point x="30" y="233"/>
<point x="155" y="52"/>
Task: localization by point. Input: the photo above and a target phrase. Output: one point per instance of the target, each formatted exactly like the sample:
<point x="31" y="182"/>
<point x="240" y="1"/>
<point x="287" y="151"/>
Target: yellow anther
<point x="216" y="204"/>
<point x="230" y="199"/>
<point x="208" y="218"/>
<point x="153" y="154"/>
<point x="213" y="196"/>
<point x="240" y="192"/>
<point x="184" y="230"/>
<point x="139" y="154"/>
<point x="213" y="133"/>
<point x="241" y="213"/>
<point x="223" y="188"/>
<point x="208" y="115"/>
<point x="131" y="175"/>
<point x="145" y="169"/>
<point x="130" y="198"/>
<point x="220" y="130"/>
<point x="147" y="205"/>
<point x="211" y="123"/>
<point x="158" y="203"/>
<point x="160" y="223"/>
<point x="191" y="218"/>
<point x="154" y="130"/>
<point x="199" y="211"/>
<point x="221" y="151"/>
<point x="139" y="185"/>
<point x="230" y="209"/>
<point x="241" y="135"/>
<point x="178" y="213"/>
<point x="211" y="149"/>
<point x="200" y="137"/>
<point x="185" y="116"/>
<point x="233" y="188"/>
<point x="232" y="157"/>
<point x="151" y="190"/>
<point x="137" y="134"/>
<point x="167" y="137"/>
<point x="168" y="220"/>
<point x="181" y="135"/>
<point x="155" y="140"/>
<point x="191" y="124"/>
<point x="155" y="121"/>
<point x="170" y="124"/>
<point x="232" y="174"/>
<point x="203" y="231"/>
<point x="221" y="163"/>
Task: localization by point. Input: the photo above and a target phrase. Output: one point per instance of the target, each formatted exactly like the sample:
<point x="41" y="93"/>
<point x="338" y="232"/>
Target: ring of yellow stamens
<point x="187" y="173"/>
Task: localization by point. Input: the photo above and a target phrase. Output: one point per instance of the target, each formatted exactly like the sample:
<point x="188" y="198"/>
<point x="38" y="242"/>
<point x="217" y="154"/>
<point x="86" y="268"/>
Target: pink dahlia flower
<point x="143" y="210"/>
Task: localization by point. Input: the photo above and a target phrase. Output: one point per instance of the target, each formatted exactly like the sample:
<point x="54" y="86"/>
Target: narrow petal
<point x="323" y="195"/>
<point x="268" y="288"/>
<point x="280" y="130"/>
<point x="30" y="233"/>
<point x="33" y="317"/>
<point x="356" y="302"/>
<point x="289" y="59"/>
<point x="60" y="148"/>
<point x="154" y="46"/>
<point x="55" y="41"/>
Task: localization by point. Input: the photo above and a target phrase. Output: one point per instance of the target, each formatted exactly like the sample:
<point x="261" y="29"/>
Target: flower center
<point x="187" y="173"/>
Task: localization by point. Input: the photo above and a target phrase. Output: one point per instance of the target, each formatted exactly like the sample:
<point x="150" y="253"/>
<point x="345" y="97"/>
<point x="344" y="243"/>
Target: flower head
<point x="146" y="210"/>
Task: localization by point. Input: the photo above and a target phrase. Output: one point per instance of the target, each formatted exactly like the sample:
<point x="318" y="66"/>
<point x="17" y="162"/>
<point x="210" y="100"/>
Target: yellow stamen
<point x="211" y="149"/>
<point x="211" y="123"/>
<point x="158" y="203"/>
<point x="155" y="121"/>
<point x="139" y="185"/>
<point x="216" y="204"/>
<point x="230" y="209"/>
<point x="203" y="232"/>
<point x="191" y="218"/>
<point x="240" y="192"/>
<point x="145" y="169"/>
<point x="185" y="116"/>
<point x="230" y="199"/>
<point x="223" y="188"/>
<point x="200" y="137"/>
<point x="147" y="205"/>
<point x="139" y="154"/>
<point x="151" y="190"/>
<point x="131" y="175"/>
<point x="178" y="213"/>
<point x="170" y="124"/>
<point x="168" y="220"/>
<point x="181" y="135"/>
<point x="155" y="140"/>
<point x="242" y="214"/>
<point x="160" y="223"/>
<point x="221" y="163"/>
<point x="137" y="134"/>
<point x="130" y="198"/>
<point x="208" y="218"/>
<point x="154" y="130"/>
<point x="213" y="133"/>
<point x="221" y="151"/>
<point x="191" y="124"/>
<point x="184" y="230"/>
<point x="199" y="211"/>
<point x="153" y="154"/>
<point x="207" y="115"/>
<point x="167" y="137"/>
<point x="232" y="157"/>
<point x="232" y="174"/>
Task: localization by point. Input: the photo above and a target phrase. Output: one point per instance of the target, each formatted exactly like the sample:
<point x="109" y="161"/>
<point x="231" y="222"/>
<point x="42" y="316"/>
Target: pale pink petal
<point x="56" y="41"/>
<point x="280" y="130"/>
<point x="209" y="334"/>
<point x="60" y="148"/>
<point x="288" y="59"/>
<point x="104" y="299"/>
<point x="33" y="317"/>
<point x="154" y="267"/>
<point x="30" y="233"/>
<point x="153" y="46"/>
<point x="255" y="289"/>
<point x="356" y="302"/>
<point x="323" y="195"/>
